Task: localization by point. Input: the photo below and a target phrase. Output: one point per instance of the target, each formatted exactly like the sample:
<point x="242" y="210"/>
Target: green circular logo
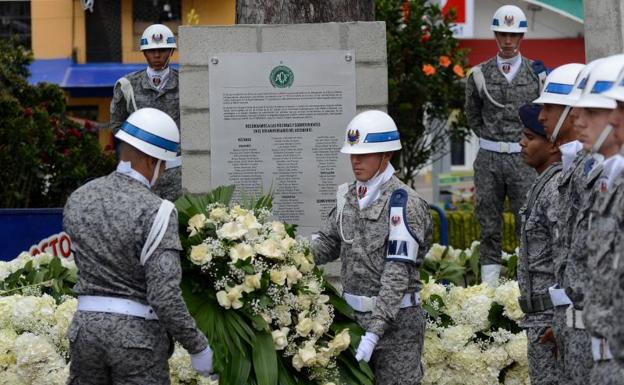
<point x="281" y="77"/>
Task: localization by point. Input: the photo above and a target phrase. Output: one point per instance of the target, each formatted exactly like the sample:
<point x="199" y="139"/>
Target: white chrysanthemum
<point x="455" y="338"/>
<point x="457" y="297"/>
<point x="180" y="365"/>
<point x="5" y="270"/>
<point x="34" y="313"/>
<point x="7" y="347"/>
<point x="517" y="375"/>
<point x="282" y="314"/>
<point x="280" y="338"/>
<point x="496" y="357"/>
<point x="431" y="288"/>
<point x="41" y="259"/>
<point x="432" y="348"/>
<point x="232" y="231"/>
<point x="517" y="348"/>
<point x="507" y="294"/>
<point x="200" y="254"/>
<point x="476" y="310"/>
<point x="435" y="252"/>
<point x="63" y="316"/>
<point x="53" y="377"/>
<point x="270" y="249"/>
<point x="12" y="376"/>
<point x="7" y="304"/>
<point x="36" y="356"/>
<point x="195" y="224"/>
<point x="241" y="251"/>
<point x="468" y="359"/>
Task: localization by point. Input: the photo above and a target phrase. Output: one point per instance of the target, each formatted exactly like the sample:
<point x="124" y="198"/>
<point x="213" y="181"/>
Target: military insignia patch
<point x="603" y="185"/>
<point x="509" y="20"/>
<point x="157" y="37"/>
<point x="353" y="136"/>
<point x="361" y="191"/>
<point x="395" y="219"/>
<point x="506" y="68"/>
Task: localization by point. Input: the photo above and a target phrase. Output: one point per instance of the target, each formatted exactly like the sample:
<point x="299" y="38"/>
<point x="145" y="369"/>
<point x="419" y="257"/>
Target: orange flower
<point x="428" y="69"/>
<point x="445" y="61"/>
<point x="459" y="71"/>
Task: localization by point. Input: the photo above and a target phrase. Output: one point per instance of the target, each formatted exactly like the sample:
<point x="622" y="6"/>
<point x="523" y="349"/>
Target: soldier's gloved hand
<point x="366" y="346"/>
<point x="490" y="274"/>
<point x="202" y="362"/>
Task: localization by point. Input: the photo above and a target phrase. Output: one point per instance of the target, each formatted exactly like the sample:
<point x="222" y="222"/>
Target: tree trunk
<point x="303" y="11"/>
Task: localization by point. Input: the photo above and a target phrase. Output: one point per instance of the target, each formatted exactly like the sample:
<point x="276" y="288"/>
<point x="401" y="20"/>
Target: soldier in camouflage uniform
<point x="379" y="270"/>
<point x="130" y="306"/>
<point x="155" y="87"/>
<point x="604" y="237"/>
<point x="535" y="262"/>
<point x="494" y="92"/>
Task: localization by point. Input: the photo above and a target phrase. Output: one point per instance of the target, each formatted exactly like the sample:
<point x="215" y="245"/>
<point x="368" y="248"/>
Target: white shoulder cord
<point x="479" y="80"/>
<point x="158" y="230"/>
<point x="341" y="200"/>
<point x="128" y="92"/>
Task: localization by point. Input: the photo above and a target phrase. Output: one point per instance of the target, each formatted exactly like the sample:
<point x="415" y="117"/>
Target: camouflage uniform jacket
<point x="365" y="270"/>
<point x="491" y="122"/>
<point x="576" y="274"/>
<point x="167" y="99"/>
<point x="570" y="189"/>
<point x="535" y="265"/>
<point x="614" y="203"/>
<point x="108" y="220"/>
<point x="603" y="239"/>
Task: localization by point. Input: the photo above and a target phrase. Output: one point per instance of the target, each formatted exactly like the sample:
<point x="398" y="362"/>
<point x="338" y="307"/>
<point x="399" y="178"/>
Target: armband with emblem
<point x="402" y="242"/>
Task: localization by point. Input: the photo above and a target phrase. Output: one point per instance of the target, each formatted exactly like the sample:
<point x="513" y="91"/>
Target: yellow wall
<point x="52" y="29"/>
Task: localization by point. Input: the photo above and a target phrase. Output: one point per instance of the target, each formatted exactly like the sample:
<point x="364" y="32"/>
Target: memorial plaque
<point x="277" y="122"/>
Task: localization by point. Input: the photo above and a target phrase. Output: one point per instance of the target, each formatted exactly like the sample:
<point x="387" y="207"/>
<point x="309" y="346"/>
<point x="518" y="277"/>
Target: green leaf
<point x="264" y="359"/>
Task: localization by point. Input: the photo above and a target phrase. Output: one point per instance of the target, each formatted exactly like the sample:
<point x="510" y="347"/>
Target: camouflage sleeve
<point x="473" y="107"/>
<point x="395" y="278"/>
<point x="163" y="274"/>
<point x="118" y="110"/>
<point x="616" y="339"/>
<point x="326" y="242"/>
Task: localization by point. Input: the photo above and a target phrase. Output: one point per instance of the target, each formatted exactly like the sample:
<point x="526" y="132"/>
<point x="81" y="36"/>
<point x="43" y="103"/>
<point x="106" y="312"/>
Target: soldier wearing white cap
<point x="155" y="87"/>
<point x="381" y="230"/>
<point x="495" y="90"/>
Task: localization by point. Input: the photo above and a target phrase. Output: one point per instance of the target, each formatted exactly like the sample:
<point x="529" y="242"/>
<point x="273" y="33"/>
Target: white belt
<point x="574" y="318"/>
<point x="600" y="349"/>
<point x="558" y="296"/>
<point x="115" y="305"/>
<point x="177" y="162"/>
<point x="502" y="147"/>
<point x="365" y="304"/>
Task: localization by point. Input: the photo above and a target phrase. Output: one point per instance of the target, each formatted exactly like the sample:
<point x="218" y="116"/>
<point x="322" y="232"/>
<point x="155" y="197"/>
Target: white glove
<point x="490" y="274"/>
<point x="366" y="346"/>
<point x="202" y="362"/>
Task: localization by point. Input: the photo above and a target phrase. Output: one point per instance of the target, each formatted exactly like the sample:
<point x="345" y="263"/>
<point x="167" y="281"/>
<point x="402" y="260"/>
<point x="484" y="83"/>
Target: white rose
<point x="280" y="338"/>
<point x="231" y="297"/>
<point x="252" y="282"/>
<point x="200" y="254"/>
<point x="195" y="224"/>
<point x="270" y="249"/>
<point x="307" y="353"/>
<point x="218" y="214"/>
<point x="318" y="328"/>
<point x="278" y="277"/>
<point x="435" y="252"/>
<point x="340" y="342"/>
<point x="232" y="231"/>
<point x="249" y="221"/>
<point x="304" y="327"/>
<point x="292" y="275"/>
<point x="287" y="243"/>
<point x="297" y="362"/>
<point x="238" y="211"/>
<point x="283" y="315"/>
<point x="241" y="251"/>
<point x="304" y="301"/>
<point x="278" y="229"/>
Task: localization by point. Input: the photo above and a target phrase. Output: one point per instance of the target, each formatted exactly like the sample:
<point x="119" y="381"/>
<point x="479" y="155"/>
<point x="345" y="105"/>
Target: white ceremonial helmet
<point x="617" y="91"/>
<point x="509" y="18"/>
<point x="560" y="83"/>
<point x="371" y="132"/>
<point x="581" y="81"/>
<point x="157" y="36"/>
<point x="601" y="78"/>
<point x="152" y="132"/>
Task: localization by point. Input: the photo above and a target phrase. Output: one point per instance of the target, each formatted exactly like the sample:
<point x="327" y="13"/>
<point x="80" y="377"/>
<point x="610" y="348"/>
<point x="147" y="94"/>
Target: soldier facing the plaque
<point x="494" y="92"/>
<point x="381" y="230"/>
<point x="155" y="87"/>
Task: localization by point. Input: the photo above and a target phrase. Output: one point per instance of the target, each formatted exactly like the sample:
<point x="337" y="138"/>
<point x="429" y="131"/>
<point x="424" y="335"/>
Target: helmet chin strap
<point x="601" y="139"/>
<point x="515" y="52"/>
<point x="562" y="119"/>
<point x="156" y="172"/>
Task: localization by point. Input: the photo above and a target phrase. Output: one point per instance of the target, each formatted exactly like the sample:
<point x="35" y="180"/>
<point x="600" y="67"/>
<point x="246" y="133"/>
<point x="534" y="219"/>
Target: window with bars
<point x="148" y="12"/>
<point x="15" y="22"/>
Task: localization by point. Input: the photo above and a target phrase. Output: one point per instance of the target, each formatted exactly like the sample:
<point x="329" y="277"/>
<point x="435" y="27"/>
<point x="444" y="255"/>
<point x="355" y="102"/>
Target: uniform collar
<point x="374" y="211"/>
<point x="569" y="152"/>
<point x="172" y="82"/>
<point x="125" y="168"/>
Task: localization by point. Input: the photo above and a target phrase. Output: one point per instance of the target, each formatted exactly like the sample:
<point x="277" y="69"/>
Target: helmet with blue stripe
<point x="559" y="84"/>
<point x="601" y="78"/>
<point x="371" y="132"/>
<point x="152" y="132"/>
<point x="157" y="36"/>
<point x="509" y="18"/>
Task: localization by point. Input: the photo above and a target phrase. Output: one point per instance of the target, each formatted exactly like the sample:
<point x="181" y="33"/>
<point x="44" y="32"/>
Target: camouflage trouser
<point x="574" y="347"/>
<point x="117" y="349"/>
<point x="396" y="359"/>
<point x="169" y="185"/>
<point x="497" y="176"/>
<point x="607" y="373"/>
<point x="543" y="367"/>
